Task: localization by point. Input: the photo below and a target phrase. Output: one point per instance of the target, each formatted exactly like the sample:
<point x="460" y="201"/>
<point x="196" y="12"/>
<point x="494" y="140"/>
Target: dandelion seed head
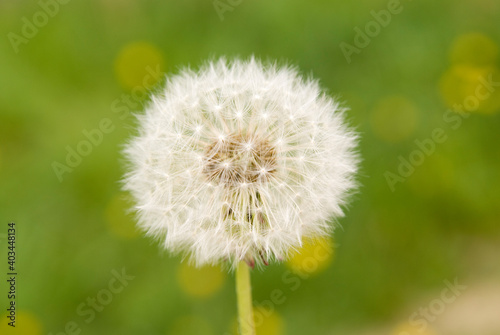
<point x="240" y="161"/>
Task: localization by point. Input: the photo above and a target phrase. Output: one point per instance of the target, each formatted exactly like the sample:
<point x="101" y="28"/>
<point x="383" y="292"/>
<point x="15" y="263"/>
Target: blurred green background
<point x="414" y="227"/>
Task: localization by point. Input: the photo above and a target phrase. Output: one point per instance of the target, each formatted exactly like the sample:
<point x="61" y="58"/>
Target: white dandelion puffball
<point x="240" y="161"/>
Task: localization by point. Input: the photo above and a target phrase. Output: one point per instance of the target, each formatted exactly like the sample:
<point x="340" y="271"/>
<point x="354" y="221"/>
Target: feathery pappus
<point x="240" y="161"/>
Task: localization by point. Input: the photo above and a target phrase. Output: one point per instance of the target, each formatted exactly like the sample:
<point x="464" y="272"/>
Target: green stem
<point x="244" y="296"/>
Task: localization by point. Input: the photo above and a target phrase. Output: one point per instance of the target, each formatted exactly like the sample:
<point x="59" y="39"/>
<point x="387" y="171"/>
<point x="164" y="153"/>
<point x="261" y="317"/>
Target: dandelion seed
<point x="240" y="161"/>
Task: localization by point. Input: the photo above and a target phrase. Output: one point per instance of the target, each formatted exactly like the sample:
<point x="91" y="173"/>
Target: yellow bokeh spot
<point x="471" y="88"/>
<point x="120" y="221"/>
<point x="191" y="325"/>
<point x="139" y="65"/>
<point x="394" y="119"/>
<point x="474" y="49"/>
<point x="200" y="282"/>
<point x="26" y="324"/>
<point x="267" y="322"/>
<point x="314" y="256"/>
<point x="408" y="329"/>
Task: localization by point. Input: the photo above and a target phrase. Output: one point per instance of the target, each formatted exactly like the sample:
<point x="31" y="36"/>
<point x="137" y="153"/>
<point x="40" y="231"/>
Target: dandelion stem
<point x="244" y="296"/>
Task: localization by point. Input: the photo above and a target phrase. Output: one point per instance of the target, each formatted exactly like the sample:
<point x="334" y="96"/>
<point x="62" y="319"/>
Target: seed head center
<point x="240" y="160"/>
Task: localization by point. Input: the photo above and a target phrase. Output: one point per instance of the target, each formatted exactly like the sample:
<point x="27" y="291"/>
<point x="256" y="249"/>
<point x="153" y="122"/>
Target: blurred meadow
<point x="419" y="249"/>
